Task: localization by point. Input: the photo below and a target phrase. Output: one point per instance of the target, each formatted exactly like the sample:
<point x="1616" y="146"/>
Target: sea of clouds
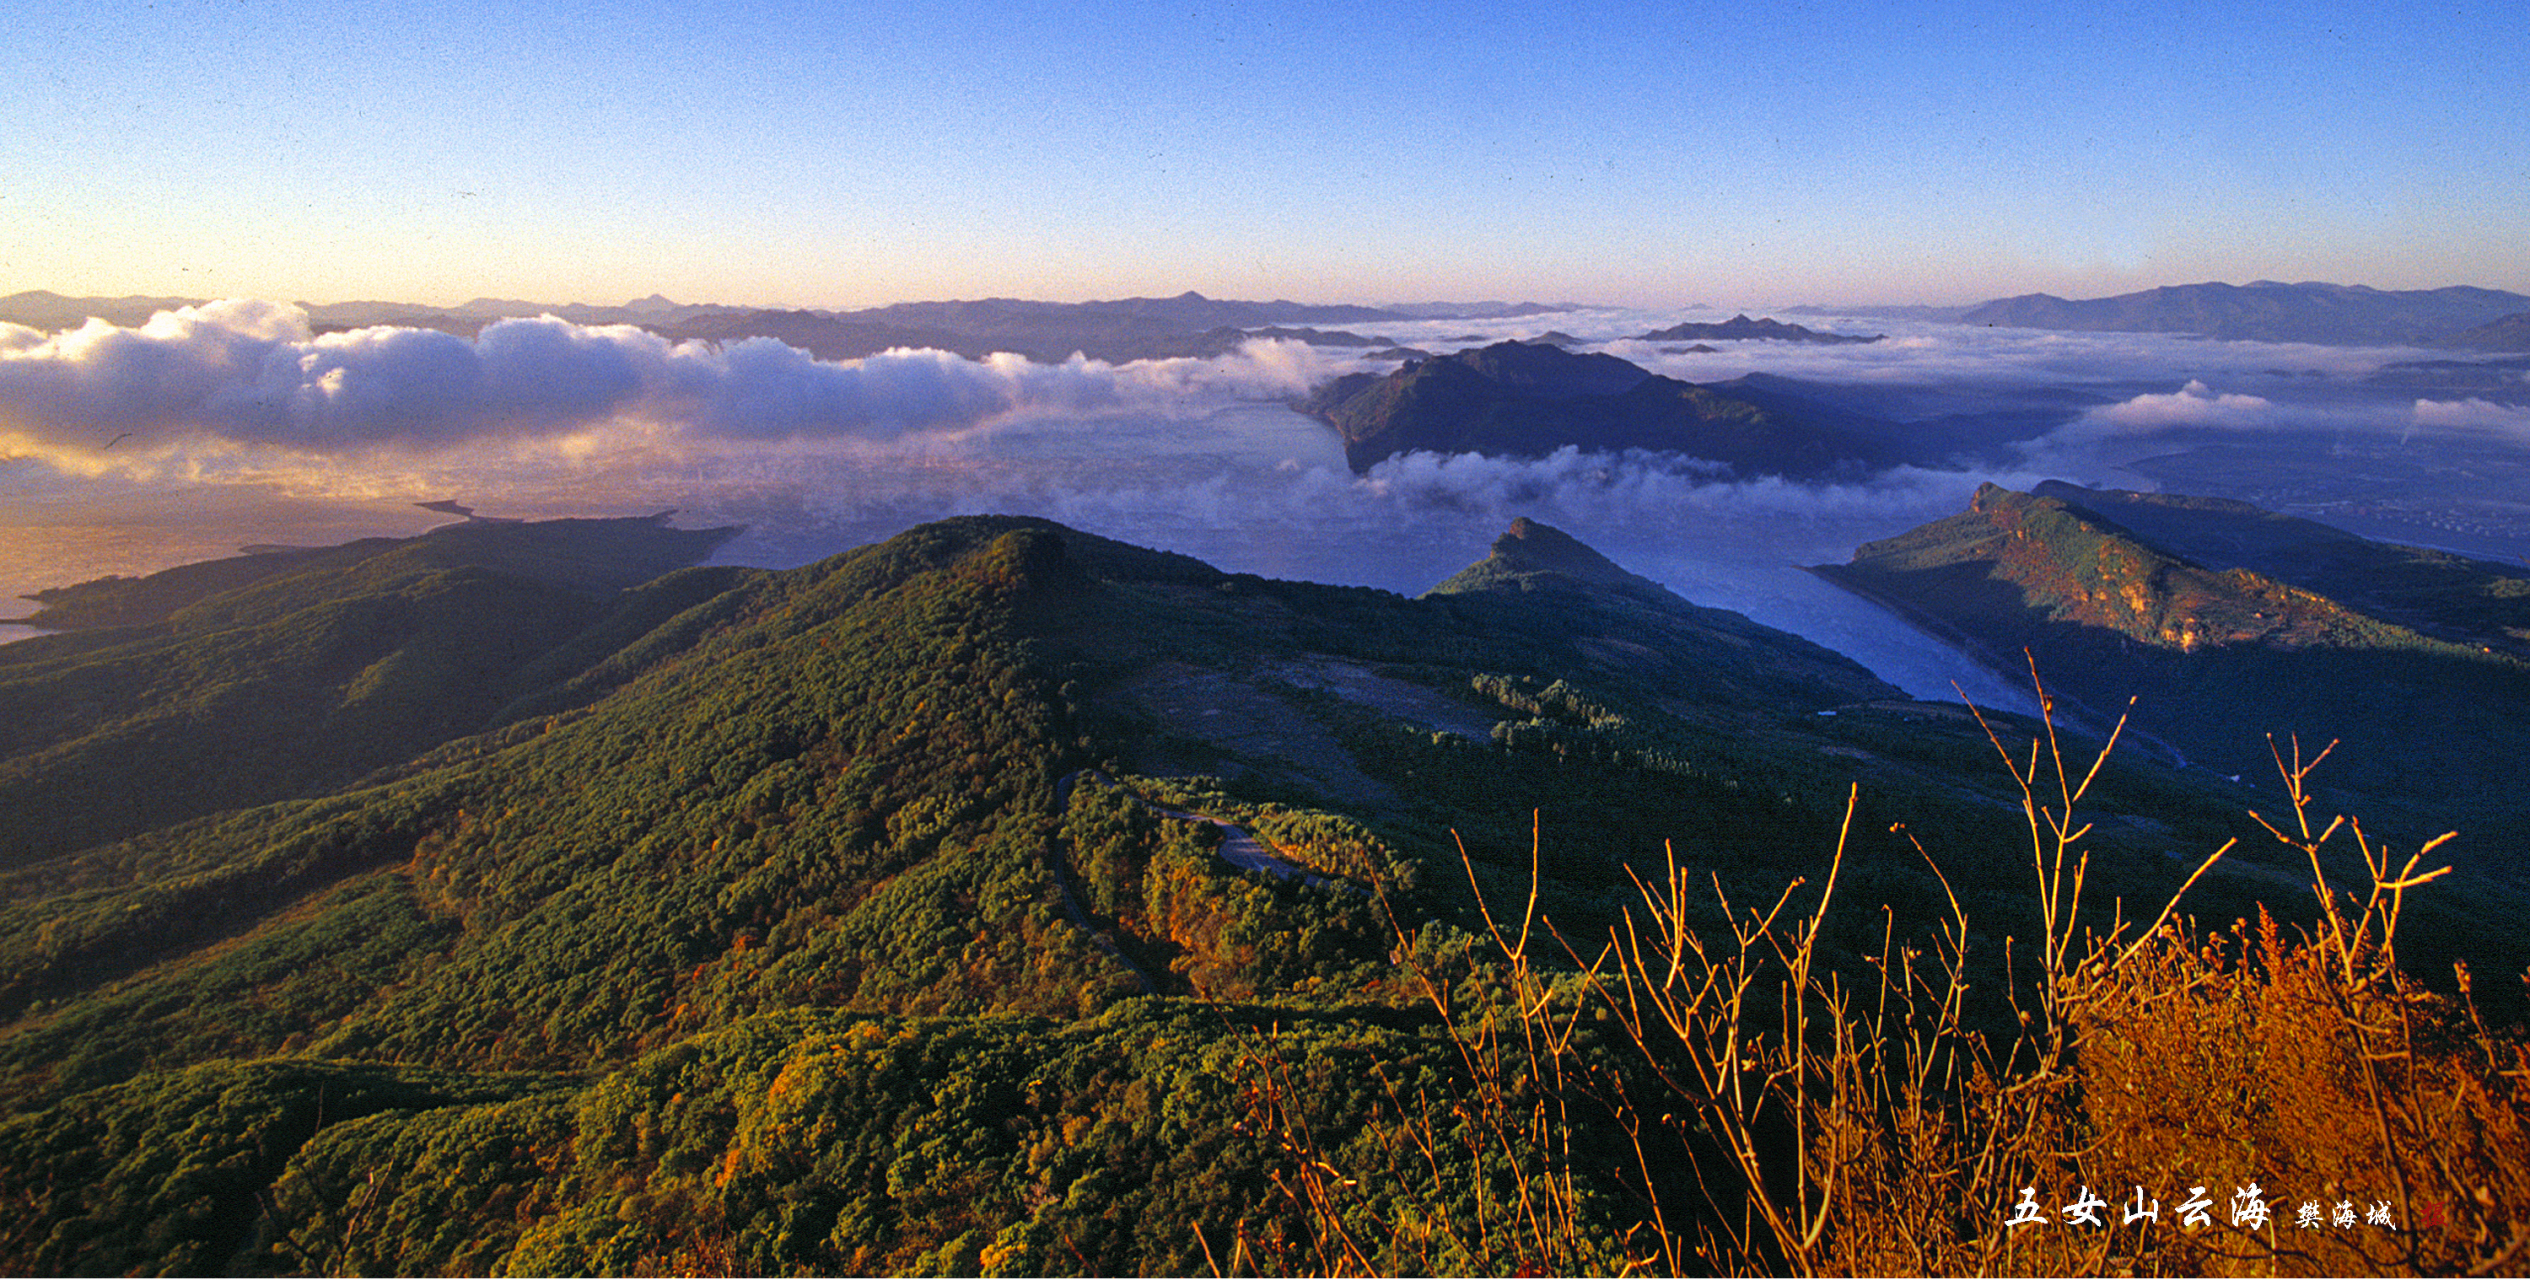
<point x="130" y="449"/>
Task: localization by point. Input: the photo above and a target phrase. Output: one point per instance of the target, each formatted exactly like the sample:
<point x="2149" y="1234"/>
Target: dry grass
<point x="1771" y="1116"/>
<point x="1473" y="1179"/>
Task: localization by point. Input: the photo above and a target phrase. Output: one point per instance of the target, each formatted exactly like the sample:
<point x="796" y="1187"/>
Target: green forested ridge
<point x="829" y="919"/>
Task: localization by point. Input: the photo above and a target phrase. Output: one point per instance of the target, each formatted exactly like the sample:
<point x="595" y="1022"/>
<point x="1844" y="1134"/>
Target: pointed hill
<point x="2227" y="623"/>
<point x="1529" y="399"/>
<point x="1531" y="556"/>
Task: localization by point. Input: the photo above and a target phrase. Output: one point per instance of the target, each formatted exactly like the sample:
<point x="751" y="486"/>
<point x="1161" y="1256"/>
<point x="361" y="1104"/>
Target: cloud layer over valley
<point x="234" y="422"/>
<point x="250" y="373"/>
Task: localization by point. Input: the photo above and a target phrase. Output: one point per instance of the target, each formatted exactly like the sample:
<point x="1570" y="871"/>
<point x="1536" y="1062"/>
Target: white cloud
<point x="2474" y="416"/>
<point x="246" y="373"/>
<point x="2193" y="405"/>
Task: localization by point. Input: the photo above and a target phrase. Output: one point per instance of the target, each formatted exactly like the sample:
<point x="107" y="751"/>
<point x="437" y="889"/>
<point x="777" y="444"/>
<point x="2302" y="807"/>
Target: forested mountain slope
<point x="873" y="915"/>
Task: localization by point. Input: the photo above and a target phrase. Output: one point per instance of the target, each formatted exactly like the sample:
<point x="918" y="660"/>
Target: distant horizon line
<point x="480" y="304"/>
<point x="785" y="305"/>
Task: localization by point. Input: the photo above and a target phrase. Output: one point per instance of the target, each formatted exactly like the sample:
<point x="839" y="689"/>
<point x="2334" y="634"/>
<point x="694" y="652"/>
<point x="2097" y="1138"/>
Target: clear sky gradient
<point x="830" y="155"/>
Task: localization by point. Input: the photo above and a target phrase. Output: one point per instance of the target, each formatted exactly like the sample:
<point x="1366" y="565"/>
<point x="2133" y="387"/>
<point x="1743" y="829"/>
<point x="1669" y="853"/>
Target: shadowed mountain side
<point x="2217" y="657"/>
<point x="1527" y="400"/>
<point x="236" y="682"/>
<point x="591" y="557"/>
<point x="2508" y="333"/>
<point x="1542" y="609"/>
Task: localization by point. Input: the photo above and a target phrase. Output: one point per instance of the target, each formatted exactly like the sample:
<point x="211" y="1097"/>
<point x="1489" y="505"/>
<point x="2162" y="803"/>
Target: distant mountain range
<point x="41" y="309"/>
<point x="1479" y="310"/>
<point x="1904" y="311"/>
<point x="2267" y="311"/>
<point x="1191" y="324"/>
<point x="1115" y="331"/>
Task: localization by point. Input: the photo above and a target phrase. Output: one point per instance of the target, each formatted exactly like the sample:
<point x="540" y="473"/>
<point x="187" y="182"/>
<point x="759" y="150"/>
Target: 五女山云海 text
<point x="2249" y="1209"/>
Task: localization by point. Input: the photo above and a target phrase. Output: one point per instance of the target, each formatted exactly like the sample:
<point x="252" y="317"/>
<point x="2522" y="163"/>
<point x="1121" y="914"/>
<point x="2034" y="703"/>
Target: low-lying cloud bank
<point x="110" y="435"/>
<point x="250" y="373"/>
<point x="2474" y="417"/>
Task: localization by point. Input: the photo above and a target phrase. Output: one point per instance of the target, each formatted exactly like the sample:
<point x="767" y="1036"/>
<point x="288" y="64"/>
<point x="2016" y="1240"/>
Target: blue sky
<point x="826" y="156"/>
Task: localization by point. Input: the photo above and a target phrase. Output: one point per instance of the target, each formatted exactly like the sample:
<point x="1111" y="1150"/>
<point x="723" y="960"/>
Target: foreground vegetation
<point x="2164" y="1099"/>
